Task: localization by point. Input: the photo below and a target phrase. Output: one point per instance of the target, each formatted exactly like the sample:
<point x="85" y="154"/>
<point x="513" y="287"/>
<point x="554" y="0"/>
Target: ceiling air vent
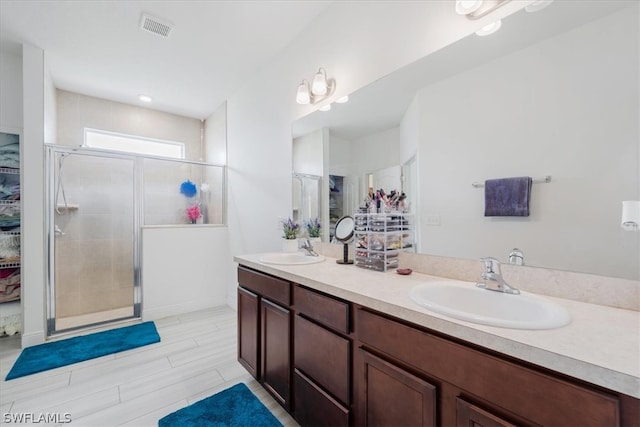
<point x="155" y="25"/>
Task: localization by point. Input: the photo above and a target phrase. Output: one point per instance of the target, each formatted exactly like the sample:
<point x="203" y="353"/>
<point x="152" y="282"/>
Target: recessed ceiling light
<point x="490" y="28"/>
<point x="343" y="99"/>
<point x="145" y="98"/>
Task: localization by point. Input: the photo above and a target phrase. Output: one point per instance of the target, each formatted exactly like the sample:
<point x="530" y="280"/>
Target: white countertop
<point x="601" y="345"/>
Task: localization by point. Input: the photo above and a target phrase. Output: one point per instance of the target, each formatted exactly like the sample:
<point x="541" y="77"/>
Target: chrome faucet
<point x="492" y="277"/>
<point x="306" y="245"/>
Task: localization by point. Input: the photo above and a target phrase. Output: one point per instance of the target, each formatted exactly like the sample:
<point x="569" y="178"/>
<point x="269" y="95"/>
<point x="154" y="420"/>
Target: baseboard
<point x="182" y="308"/>
<point x="32" y="338"/>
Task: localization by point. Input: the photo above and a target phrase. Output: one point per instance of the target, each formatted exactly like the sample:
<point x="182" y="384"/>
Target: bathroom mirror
<point x="345" y="227"/>
<point x="552" y="93"/>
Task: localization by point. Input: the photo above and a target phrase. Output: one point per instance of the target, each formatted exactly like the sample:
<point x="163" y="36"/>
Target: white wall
<point x="410" y="132"/>
<point x="183" y="269"/>
<point x="308" y="154"/>
<point x="32" y="189"/>
<point x="586" y="137"/>
<point x="382" y="151"/>
<point x="50" y="107"/>
<point x="11" y="89"/>
<point x="215" y="136"/>
<point x="352" y="41"/>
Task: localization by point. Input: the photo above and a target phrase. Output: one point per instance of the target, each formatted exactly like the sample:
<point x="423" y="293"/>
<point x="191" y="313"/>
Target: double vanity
<point x="337" y="345"/>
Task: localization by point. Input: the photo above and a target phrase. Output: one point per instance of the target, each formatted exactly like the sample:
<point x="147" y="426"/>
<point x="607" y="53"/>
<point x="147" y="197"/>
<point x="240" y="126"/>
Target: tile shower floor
<point x="195" y="359"/>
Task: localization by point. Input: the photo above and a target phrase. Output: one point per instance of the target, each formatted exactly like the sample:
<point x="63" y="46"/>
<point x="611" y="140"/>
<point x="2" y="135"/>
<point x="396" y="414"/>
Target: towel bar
<point x="546" y="178"/>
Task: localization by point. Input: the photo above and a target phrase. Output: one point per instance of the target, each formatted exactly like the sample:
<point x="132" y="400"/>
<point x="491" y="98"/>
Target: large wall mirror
<point x="555" y="92"/>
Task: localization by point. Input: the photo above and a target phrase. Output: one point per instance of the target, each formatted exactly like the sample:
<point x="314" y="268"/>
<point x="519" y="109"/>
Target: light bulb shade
<point x="343" y="99"/>
<point x="319" y="85"/>
<point x="538" y="5"/>
<point x="630" y="215"/>
<point x="325" y="107"/>
<point x="490" y="28"/>
<point x="465" y="7"/>
<point x="303" y="96"/>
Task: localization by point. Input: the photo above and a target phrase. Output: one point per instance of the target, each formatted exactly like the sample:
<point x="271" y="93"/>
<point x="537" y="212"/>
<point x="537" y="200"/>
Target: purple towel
<point x="507" y="196"/>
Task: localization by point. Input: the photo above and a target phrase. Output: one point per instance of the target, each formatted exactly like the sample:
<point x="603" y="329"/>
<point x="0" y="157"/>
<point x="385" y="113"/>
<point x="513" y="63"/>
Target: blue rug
<point x="55" y="354"/>
<point x="233" y="407"/>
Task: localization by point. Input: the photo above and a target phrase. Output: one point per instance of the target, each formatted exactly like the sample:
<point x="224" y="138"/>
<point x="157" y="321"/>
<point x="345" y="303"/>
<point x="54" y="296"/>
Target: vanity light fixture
<point x="538" y="5"/>
<point x="343" y="99"/>
<point x="320" y="89"/>
<point x="475" y="9"/>
<point x="145" y="98"/>
<point x="320" y="85"/>
<point x="325" y="107"/>
<point x="303" y="96"/>
<point x="464" y="7"/>
<point x="490" y="28"/>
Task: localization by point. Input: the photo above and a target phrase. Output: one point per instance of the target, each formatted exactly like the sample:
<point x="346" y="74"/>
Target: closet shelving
<point x="10" y="222"/>
<point x="379" y="238"/>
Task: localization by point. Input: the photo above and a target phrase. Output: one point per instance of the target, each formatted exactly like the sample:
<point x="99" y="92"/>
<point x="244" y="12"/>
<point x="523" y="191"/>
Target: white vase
<point x="289" y="245"/>
<point x="315" y="240"/>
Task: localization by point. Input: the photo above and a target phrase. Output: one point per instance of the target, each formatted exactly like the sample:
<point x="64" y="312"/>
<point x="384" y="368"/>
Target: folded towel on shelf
<point x="507" y="196"/>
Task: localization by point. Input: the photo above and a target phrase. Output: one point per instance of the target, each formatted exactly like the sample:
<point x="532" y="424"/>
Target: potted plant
<point x="313" y="227"/>
<point x="290" y="231"/>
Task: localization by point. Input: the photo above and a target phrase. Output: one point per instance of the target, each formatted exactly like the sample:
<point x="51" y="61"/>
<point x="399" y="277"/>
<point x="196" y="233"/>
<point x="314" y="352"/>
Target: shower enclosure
<point x="307" y="196"/>
<point x="93" y="223"/>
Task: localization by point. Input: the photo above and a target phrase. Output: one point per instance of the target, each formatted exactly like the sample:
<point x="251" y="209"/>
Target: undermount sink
<point x="290" y="258"/>
<point x="464" y="301"/>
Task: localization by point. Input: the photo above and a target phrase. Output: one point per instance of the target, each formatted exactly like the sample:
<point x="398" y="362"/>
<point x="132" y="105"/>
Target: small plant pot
<point x="289" y="245"/>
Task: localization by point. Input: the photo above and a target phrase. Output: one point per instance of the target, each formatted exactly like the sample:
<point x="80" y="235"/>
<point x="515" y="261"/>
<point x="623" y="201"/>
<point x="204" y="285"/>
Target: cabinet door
<point x="392" y="396"/>
<point x="276" y="351"/>
<point x="323" y="356"/>
<point x="469" y="415"/>
<point x="314" y="407"/>
<point x="248" y="327"/>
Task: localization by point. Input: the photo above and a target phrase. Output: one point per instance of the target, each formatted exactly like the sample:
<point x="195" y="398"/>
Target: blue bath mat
<point x="55" y="354"/>
<point x="233" y="407"/>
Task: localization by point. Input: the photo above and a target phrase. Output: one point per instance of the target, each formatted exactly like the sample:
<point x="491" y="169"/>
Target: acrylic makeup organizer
<point x="380" y="238"/>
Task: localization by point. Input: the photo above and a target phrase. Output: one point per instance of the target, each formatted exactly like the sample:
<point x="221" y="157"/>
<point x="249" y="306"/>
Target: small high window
<point x="132" y="144"/>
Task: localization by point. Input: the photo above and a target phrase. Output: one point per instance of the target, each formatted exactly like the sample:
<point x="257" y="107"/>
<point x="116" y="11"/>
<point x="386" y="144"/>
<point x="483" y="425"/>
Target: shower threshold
<point x="93" y="318"/>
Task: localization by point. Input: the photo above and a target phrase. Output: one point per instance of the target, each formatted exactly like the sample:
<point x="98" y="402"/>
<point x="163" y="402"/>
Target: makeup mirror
<point x="344" y="233"/>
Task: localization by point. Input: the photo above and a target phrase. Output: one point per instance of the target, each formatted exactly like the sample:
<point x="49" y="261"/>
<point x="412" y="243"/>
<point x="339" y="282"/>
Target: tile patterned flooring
<point x="195" y="359"/>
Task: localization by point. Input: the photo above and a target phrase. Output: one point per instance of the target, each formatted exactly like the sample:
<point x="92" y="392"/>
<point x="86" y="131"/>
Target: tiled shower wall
<point x="94" y="257"/>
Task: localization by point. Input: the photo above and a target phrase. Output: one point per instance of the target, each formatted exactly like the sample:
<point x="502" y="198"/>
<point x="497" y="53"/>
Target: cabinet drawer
<point x="537" y="396"/>
<point x="313" y="407"/>
<point x="323" y="356"/>
<point x="468" y="414"/>
<point x="275" y="289"/>
<point x="328" y="311"/>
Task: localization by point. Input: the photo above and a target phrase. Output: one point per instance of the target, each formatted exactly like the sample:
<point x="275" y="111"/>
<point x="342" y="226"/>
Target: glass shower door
<point x="93" y="240"/>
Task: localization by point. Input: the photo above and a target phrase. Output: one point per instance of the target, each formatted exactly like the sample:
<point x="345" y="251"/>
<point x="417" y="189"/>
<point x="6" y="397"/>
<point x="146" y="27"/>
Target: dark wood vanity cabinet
<point x="469" y="386"/>
<point x="264" y="331"/>
<point x="322" y="359"/>
<point x="333" y="363"/>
